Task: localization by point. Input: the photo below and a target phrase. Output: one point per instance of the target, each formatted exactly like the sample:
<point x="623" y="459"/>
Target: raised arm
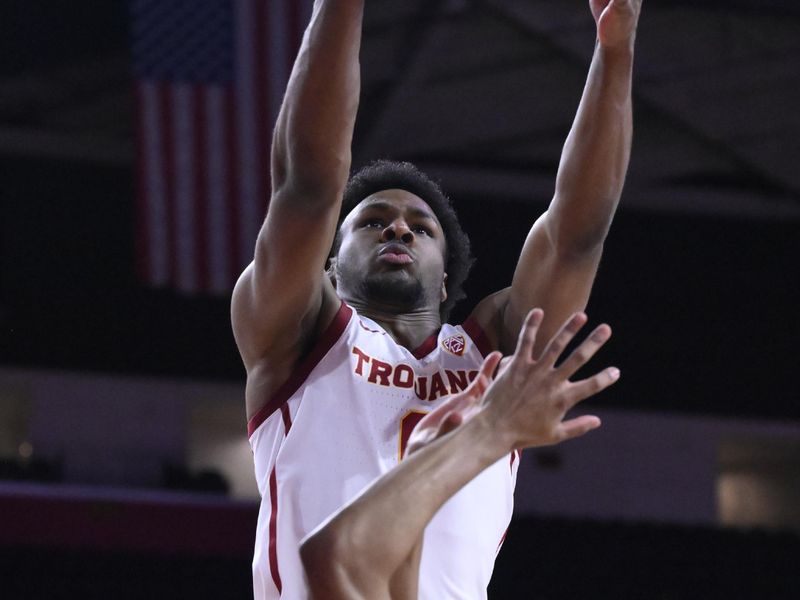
<point x="560" y="257"/>
<point x="357" y="553"/>
<point x="278" y="300"/>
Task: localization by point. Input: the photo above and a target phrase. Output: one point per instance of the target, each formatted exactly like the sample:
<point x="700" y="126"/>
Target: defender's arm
<point x="358" y="551"/>
<point x="370" y="549"/>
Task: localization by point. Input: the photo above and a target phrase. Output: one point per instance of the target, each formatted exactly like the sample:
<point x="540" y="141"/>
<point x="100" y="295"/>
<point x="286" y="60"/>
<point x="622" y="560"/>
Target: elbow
<point x="309" y="163"/>
<point x="578" y="242"/>
<point x="315" y="182"/>
<point x="319" y="164"/>
<point x="580" y="247"/>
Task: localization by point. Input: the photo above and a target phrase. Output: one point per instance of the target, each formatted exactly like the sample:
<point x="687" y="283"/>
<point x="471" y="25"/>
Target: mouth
<point x="395" y="254"/>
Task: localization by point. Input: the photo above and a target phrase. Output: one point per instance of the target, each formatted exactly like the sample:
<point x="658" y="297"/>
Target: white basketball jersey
<point x="341" y="421"/>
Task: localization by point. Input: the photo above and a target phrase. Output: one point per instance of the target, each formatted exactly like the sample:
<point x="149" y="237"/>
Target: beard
<point x="393" y="288"/>
<point x="396" y="289"/>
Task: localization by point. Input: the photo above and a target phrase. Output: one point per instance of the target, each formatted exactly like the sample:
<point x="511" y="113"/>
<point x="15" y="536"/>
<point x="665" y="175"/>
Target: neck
<point x="409" y="328"/>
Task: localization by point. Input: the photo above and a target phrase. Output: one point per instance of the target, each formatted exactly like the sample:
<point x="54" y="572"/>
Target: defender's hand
<point x="616" y="21"/>
<point x="457" y="409"/>
<point x="528" y="400"/>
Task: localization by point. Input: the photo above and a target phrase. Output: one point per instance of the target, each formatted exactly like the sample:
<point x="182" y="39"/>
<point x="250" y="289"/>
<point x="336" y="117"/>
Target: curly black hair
<point x="391" y="175"/>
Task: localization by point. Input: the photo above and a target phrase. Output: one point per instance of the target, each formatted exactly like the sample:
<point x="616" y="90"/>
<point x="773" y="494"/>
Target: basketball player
<point x="342" y="364"/>
<point x="363" y="551"/>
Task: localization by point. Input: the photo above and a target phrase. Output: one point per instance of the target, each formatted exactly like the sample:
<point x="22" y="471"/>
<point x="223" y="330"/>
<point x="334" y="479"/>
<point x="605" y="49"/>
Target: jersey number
<point x="407" y="424"/>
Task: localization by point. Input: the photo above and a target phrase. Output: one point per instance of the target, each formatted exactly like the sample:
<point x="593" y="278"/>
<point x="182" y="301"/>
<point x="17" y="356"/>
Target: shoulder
<point x="294" y="360"/>
<point x="487" y="319"/>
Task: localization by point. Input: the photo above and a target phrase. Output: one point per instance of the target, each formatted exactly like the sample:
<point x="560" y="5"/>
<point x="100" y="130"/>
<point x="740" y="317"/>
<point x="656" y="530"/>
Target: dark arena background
<point x="124" y="465"/>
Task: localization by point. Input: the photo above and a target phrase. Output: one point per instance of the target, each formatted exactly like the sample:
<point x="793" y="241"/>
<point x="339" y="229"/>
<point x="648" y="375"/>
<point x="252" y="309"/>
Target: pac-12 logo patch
<point x="455" y="344"/>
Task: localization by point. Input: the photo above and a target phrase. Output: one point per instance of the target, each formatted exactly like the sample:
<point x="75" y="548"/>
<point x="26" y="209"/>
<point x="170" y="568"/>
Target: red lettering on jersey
<point x="455" y="344"/>
<point x="457" y="380"/>
<point x="427" y="387"/>
<point x="362" y="358"/>
<point x="407" y="424"/>
<point x="403" y="376"/>
<point x="421" y="388"/>
<point x="438" y="388"/>
<point x="380" y="370"/>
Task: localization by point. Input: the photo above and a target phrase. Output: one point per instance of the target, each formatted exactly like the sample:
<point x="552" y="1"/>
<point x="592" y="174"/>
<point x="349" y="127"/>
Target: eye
<point x="421" y="229"/>
<point x="373" y="223"/>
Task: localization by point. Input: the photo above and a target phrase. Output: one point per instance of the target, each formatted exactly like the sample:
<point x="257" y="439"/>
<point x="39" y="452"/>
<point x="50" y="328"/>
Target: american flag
<point x="210" y="77"/>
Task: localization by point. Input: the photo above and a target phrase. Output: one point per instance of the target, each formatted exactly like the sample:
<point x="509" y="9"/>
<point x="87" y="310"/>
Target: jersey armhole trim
<point x="426" y="347"/>
<point x="478" y="336"/>
<point x="303" y="370"/>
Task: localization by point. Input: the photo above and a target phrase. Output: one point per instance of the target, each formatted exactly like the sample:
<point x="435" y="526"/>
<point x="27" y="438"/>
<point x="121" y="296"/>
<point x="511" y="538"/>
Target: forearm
<point x="400" y="504"/>
<point x="313" y="135"/>
<point x="407" y="498"/>
<point x="596" y="154"/>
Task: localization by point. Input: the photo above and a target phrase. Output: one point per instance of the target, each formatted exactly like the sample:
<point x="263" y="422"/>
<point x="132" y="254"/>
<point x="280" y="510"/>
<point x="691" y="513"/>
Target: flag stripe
<point x="167" y="167"/>
<point x="217" y="233"/>
<point x="247" y="131"/>
<point x="143" y="214"/>
<point x="155" y="192"/>
<point x="234" y="170"/>
<point x="200" y="236"/>
<point x="279" y="14"/>
<point x="183" y="119"/>
<point x="264" y="47"/>
<point x="294" y="32"/>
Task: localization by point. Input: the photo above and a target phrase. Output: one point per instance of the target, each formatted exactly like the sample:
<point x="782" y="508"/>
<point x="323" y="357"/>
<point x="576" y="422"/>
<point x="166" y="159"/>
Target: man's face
<point x="392" y="252"/>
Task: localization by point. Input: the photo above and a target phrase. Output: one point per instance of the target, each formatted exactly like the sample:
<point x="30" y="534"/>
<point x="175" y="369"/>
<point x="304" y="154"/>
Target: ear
<point x="331" y="270"/>
<point x="444" y="288"/>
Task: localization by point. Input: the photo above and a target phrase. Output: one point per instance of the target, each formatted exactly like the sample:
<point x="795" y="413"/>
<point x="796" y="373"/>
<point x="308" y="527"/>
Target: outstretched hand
<point x="527" y="400"/>
<point x="454" y="411"/>
<point x="616" y="21"/>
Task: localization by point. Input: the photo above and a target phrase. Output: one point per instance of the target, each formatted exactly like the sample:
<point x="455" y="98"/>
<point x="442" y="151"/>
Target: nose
<point x="397" y="230"/>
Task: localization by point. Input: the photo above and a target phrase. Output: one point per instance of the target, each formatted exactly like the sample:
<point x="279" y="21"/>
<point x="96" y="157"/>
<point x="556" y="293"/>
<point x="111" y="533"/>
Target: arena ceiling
<point x="481" y="93"/>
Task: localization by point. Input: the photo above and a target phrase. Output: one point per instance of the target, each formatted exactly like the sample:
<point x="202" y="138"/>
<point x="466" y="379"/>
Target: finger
<point x="480" y="384"/>
<point x="578" y="426"/>
<point x="441" y="420"/>
<point x="504" y="362"/>
<point x="450" y="422"/>
<point x="419" y="440"/>
<point x="477" y="388"/>
<point x="560" y="340"/>
<point x="527" y="333"/>
<point x="434" y="418"/>
<point x="450" y="413"/>
<point x="580" y="390"/>
<point x="469" y="412"/>
<point x="588" y="348"/>
<point x="489" y="367"/>
<point x="474" y="394"/>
